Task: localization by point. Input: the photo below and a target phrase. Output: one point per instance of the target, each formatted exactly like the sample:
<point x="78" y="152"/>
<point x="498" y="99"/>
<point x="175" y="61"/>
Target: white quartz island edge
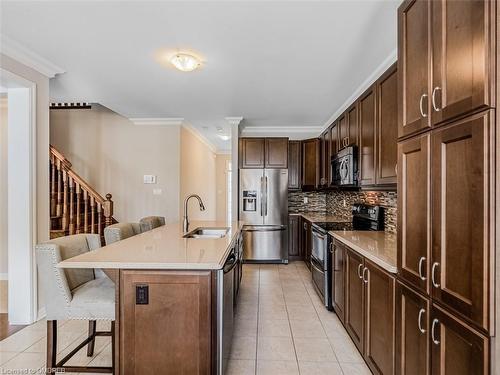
<point x="377" y="246"/>
<point x="163" y="248"/>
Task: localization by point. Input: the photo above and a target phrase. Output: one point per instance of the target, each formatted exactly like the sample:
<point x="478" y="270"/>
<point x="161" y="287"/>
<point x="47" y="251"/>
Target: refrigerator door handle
<point x="262" y="196"/>
<point x="265" y="195"/>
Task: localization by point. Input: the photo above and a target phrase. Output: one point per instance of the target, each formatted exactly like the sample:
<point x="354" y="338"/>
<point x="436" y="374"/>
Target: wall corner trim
<point x="157" y="121"/>
<point x="200" y="136"/>
<point x="234" y="121"/>
<point x="16" y="51"/>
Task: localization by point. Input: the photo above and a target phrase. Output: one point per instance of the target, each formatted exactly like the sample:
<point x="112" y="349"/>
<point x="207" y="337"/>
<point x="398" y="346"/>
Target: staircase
<point x="74" y="206"/>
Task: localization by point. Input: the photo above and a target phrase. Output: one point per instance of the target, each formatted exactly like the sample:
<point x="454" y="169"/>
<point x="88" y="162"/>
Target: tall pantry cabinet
<point x="447" y="169"/>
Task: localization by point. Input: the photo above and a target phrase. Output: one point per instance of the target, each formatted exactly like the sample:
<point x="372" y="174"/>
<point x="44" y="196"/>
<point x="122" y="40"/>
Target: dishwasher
<point x="225" y="310"/>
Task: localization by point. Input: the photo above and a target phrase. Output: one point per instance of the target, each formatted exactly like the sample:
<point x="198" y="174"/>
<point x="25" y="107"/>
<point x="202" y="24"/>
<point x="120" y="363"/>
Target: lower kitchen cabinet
<point x="354" y="295"/>
<point x="338" y="280"/>
<point x="295" y="250"/>
<point x="379" y="319"/>
<point x="306" y="241"/>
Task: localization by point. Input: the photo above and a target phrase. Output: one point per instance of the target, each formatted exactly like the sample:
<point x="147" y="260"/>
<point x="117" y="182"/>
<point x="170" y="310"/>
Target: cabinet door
<point x="294" y="164"/>
<point x="414" y="211"/>
<point x="327" y="154"/>
<point x="412" y="332"/>
<point x="352" y="125"/>
<point x="379" y="333"/>
<point x="276" y="153"/>
<point x="310" y="163"/>
<point x="252" y="153"/>
<point x="462" y="170"/>
<point x="343" y="131"/>
<point x="180" y="308"/>
<point x="354" y="311"/>
<point x="293" y="235"/>
<point x="387" y="132"/>
<point x="338" y="279"/>
<point x="367" y="129"/>
<point x="457" y="349"/>
<point x="334" y="148"/>
<point x="323" y="151"/>
<point x="462" y="57"/>
<point x="308" y="243"/>
<point x="413" y="66"/>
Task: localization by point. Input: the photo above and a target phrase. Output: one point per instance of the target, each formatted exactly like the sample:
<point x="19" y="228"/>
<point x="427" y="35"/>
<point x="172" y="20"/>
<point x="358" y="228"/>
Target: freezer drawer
<point x="265" y="243"/>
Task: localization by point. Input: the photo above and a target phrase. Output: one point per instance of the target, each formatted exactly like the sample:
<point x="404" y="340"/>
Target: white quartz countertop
<point x="378" y="246"/>
<point x="162" y="248"/>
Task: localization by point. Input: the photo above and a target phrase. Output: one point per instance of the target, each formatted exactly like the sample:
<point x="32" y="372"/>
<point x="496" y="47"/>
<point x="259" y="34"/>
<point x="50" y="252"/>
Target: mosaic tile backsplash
<point x="332" y="202"/>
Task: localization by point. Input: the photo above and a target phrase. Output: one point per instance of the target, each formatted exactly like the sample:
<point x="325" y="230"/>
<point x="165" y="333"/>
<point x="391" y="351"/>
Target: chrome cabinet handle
<point x="421" y="105"/>
<point x="332" y="248"/>
<point x="420" y="314"/>
<point x="434" y="98"/>
<point x="359" y="271"/>
<point x="433" y="275"/>
<point x="433" y="333"/>
<point x="420" y="273"/>
<point x="367" y="275"/>
<point x="305" y="226"/>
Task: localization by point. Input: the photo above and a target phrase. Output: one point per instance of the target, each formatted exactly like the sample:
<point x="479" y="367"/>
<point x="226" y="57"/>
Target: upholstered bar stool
<point x="120" y="231"/>
<point x="151" y="222"/>
<point x="80" y="294"/>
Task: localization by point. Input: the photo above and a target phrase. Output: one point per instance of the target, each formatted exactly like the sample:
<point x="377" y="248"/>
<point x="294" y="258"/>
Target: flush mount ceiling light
<point x="185" y="62"/>
<point x="224" y="137"/>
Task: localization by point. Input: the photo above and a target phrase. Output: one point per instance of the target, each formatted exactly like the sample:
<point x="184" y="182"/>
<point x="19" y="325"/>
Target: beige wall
<point x="198" y="175"/>
<point x="221" y="161"/>
<point x="3" y="187"/>
<point x="113" y="154"/>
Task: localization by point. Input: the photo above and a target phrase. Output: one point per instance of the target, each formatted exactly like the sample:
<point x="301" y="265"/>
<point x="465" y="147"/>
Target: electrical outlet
<point x="344" y="203"/>
<point x="157" y="191"/>
<point x="306" y="200"/>
<point x="149" y="179"/>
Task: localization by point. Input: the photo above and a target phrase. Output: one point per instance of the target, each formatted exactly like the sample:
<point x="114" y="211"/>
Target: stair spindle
<point x="92" y="214"/>
<point x="85" y="212"/>
<point x="65" y="201"/>
<point x="59" y="189"/>
<point x="71" y="206"/>
<point x="78" y="209"/>
<point x="99" y="219"/>
<point x="53" y="196"/>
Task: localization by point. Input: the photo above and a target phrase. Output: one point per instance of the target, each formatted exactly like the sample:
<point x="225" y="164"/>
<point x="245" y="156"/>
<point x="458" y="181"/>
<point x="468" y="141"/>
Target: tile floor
<point x="280" y="328"/>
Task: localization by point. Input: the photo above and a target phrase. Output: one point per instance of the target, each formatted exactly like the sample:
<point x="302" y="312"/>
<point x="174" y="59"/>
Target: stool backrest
<point x="120" y="231"/>
<point x="151" y="222"/>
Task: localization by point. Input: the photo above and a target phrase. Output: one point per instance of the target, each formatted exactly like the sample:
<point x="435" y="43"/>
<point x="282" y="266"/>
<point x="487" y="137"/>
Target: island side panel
<point x="114" y="275"/>
<point x="172" y="332"/>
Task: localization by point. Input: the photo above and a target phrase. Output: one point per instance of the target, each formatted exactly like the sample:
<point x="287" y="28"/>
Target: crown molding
<point x="234" y="121"/>
<point x="391" y="59"/>
<point x="291" y="131"/>
<point x="200" y="136"/>
<point x="18" y="52"/>
<point x="223" y="152"/>
<point x="157" y="121"/>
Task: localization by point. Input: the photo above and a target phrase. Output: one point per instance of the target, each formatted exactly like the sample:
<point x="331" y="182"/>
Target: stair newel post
<point x="108" y="210"/>
<point x="59" y="188"/>
<point x="65" y="201"/>
<point x="53" y="197"/>
<point x="78" y="209"/>
<point x="92" y="214"/>
<point x="71" y="206"/>
<point x="85" y="211"/>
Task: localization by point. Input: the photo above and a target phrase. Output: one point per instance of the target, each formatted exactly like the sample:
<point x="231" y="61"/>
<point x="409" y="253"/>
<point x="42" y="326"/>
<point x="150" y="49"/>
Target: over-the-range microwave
<point x="345" y="167"/>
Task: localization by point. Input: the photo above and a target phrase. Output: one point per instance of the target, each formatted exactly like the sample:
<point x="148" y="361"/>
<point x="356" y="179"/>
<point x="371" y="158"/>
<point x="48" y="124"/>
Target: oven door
<point x="319" y="246"/>
<point x="318" y="277"/>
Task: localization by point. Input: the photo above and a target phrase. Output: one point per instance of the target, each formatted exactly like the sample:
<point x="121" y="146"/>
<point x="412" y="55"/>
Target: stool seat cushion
<point x="94" y="300"/>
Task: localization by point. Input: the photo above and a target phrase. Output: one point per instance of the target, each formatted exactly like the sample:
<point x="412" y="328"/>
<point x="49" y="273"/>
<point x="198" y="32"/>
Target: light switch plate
<point x="157" y="191"/>
<point x="149" y="179"/>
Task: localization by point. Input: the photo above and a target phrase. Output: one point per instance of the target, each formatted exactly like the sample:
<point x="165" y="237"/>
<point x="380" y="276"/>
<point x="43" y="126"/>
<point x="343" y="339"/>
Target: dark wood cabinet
<point x="276" y="151"/>
<point x="306" y="241"/>
<point x="379" y="319"/>
<point x="326" y="152"/>
<point x="311" y="163"/>
<point x="343" y="125"/>
<point x="294" y="165"/>
<point x="252" y="152"/>
<point x="352" y="125"/>
<point x="413" y="66"/>
<point x="456" y="347"/>
<point x="295" y="251"/>
<point x="462" y="171"/>
<point x="354" y="298"/>
<point x="387" y="127"/>
<point x="412" y="332"/>
<point x="334" y="139"/>
<point x="414" y="211"/>
<point x="182" y="297"/>
<point x="338" y="279"/>
<point x="461" y="54"/>
<point x="367" y="133"/>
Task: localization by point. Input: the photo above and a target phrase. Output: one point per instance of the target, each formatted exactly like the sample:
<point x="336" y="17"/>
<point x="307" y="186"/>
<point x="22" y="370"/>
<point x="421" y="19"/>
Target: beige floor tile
<point x="103" y="358"/>
<point x="24" y="362"/>
<point x="273" y="312"/>
<point x="346" y="351"/>
<point x="243" y="348"/>
<point x="275" y="349"/>
<point x="265" y="367"/>
<point x="246" y="311"/>
<point x="320" y="368"/>
<point x="307" y="329"/>
<point x="21" y="340"/>
<point x="272" y="299"/>
<point x="297" y="299"/>
<point x="245" y="327"/>
<point x="301" y="312"/>
<point x="315" y="350"/>
<point x="64" y="339"/>
<point x="355" y="368"/>
<point x="7" y="356"/>
<point x="240" y="367"/>
<point x="248" y="296"/>
<point x="274" y="328"/>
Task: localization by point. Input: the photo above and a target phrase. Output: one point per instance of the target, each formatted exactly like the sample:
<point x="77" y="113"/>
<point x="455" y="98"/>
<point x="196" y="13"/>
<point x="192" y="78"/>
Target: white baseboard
<point x="4" y="276"/>
<point x="41" y="313"/>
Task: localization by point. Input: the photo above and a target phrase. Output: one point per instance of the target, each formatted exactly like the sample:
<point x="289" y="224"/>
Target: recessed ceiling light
<point x="224" y="137"/>
<point x="185" y="62"/>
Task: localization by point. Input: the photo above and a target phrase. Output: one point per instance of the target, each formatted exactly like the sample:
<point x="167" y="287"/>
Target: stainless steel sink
<point x="204" y="232"/>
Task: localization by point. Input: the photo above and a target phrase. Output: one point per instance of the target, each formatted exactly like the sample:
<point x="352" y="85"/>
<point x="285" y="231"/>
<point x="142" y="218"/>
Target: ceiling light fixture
<point x="185" y="62"/>
<point x="224" y="137"/>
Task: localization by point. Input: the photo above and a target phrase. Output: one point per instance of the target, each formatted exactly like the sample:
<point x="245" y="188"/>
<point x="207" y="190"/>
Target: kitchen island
<point x="174" y="297"/>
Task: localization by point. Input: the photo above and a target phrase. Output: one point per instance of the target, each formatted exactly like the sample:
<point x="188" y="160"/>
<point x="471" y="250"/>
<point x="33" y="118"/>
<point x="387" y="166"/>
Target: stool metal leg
<point x="51" y="344"/>
<point x="92" y="330"/>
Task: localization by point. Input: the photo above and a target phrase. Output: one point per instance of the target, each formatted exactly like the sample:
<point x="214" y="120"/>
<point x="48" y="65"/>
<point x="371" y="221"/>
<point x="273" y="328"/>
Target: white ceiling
<point x="277" y="64"/>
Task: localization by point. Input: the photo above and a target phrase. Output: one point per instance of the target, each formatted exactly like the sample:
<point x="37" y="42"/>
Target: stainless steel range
<point x="365" y="217"/>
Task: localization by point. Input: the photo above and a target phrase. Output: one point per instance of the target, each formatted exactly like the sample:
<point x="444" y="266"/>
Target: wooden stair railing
<point x="75" y="207"/>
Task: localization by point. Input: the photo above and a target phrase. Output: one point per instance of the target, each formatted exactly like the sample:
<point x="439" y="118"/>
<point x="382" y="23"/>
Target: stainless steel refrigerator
<point x="263" y="207"/>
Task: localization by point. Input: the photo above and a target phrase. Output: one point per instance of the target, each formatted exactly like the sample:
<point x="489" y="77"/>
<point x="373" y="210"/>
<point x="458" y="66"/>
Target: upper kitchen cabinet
<point x="367" y="131"/>
<point x="252" y="152"/>
<point x="294" y="165"/>
<point x="311" y="163"/>
<point x="413" y="66"/>
<point x="462" y="58"/>
<point x="387" y="132"/>
<point x="326" y="151"/>
<point x="462" y="182"/>
<point x="348" y="127"/>
<point x="334" y="138"/>
<point x="263" y="153"/>
<point x="276" y="153"/>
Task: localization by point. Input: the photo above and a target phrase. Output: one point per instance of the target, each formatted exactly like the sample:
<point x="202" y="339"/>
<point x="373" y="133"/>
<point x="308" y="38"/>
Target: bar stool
<point x="151" y="222"/>
<point x="120" y="231"/>
<point x="80" y="294"/>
